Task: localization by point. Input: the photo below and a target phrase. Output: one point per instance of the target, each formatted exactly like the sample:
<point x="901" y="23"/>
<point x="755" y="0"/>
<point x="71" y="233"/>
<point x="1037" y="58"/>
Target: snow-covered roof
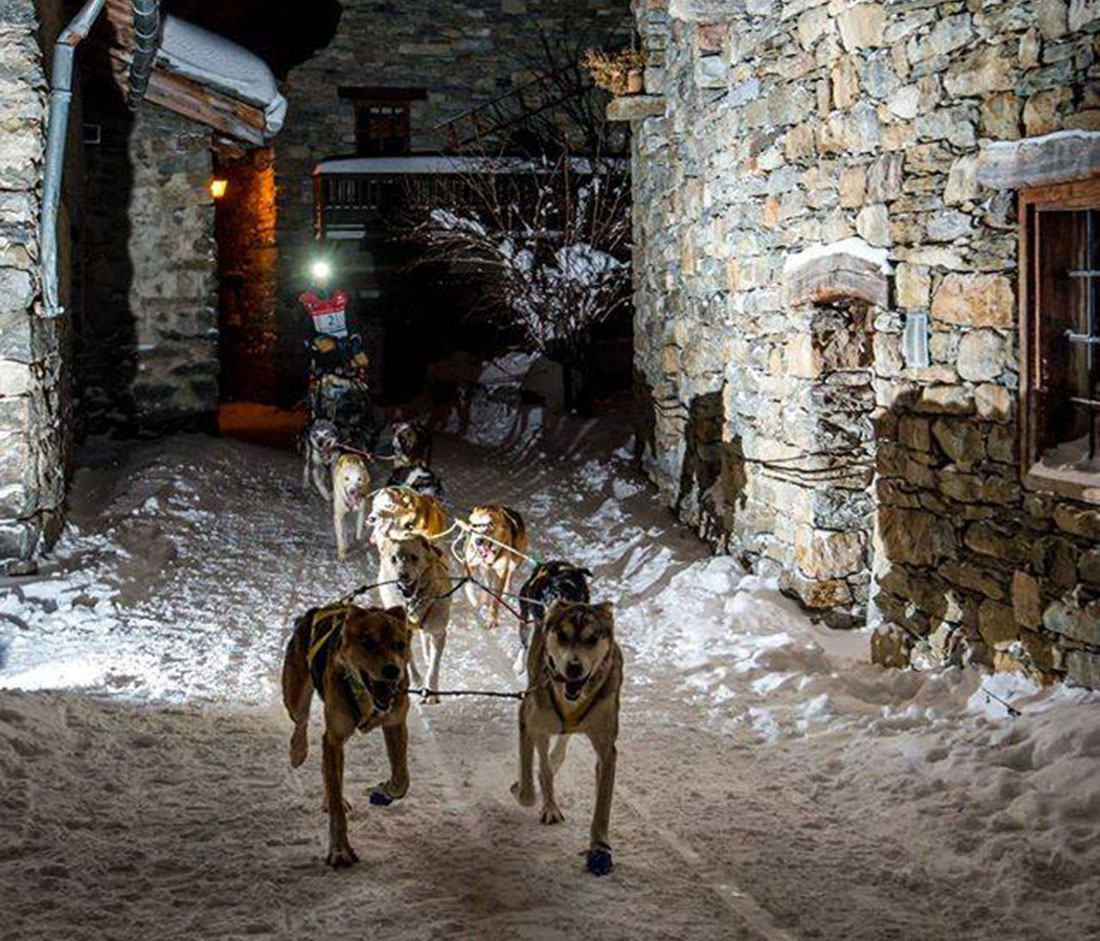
<point x="213" y="60"/>
<point x="443" y="163"/>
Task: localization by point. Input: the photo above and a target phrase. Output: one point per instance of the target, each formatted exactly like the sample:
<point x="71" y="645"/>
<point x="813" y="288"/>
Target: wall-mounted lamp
<point x="218" y="188"/>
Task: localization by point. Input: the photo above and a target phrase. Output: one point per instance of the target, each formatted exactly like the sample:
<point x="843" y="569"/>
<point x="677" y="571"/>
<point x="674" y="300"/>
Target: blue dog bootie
<point x="599" y="861"/>
<point x="379" y="798"/>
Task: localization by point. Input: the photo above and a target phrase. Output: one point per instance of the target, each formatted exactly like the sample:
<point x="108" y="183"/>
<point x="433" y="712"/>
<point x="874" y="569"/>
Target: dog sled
<point x="339" y="390"/>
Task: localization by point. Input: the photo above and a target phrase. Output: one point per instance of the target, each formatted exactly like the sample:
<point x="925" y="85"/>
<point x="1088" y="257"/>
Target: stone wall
<point x="795" y="124"/>
<point x="148" y="339"/>
<point x="32" y="429"/>
<point x="461" y="54"/>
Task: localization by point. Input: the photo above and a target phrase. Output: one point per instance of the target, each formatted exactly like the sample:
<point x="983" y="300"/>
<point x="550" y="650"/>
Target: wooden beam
<point x="196" y="101"/>
<point x="121" y="18"/>
<point x="836" y="277"/>
<point x="1063" y="157"/>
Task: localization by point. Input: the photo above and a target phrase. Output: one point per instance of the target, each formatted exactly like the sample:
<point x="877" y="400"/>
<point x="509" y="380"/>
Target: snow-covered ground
<point x="772" y="784"/>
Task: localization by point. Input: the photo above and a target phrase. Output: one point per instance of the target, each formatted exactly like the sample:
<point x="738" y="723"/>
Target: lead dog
<point x="350" y="490"/>
<point x="412" y="444"/>
<point x="356" y="660"/>
<point x="575" y="670"/>
<point x="320" y="443"/>
<point x="413" y="573"/>
<point x="495" y="547"/>
<point x="395" y="511"/>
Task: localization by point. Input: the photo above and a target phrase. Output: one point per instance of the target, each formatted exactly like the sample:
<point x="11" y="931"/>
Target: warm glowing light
<point x="218" y="188"/>
<point x="321" y="270"/>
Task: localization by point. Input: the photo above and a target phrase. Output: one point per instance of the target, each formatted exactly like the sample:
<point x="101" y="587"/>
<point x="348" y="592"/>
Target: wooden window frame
<point x="1063" y="197"/>
<point x="380" y="96"/>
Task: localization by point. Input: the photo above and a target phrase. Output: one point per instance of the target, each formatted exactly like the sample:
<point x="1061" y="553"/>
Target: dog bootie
<point x="379" y="798"/>
<point x="599" y="861"/>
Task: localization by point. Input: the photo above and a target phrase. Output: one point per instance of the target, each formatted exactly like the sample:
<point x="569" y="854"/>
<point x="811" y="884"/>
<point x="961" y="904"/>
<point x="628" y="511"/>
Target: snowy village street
<point x="763" y="791"/>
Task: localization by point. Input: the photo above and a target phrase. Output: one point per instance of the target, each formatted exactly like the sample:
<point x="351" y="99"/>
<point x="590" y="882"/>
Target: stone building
<point x="134" y="341"/>
<point x="33" y="407"/>
<point x="862" y="241"/>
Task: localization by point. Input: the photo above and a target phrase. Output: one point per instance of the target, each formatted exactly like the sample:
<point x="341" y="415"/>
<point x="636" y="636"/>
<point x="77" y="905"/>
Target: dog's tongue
<point x="573" y="688"/>
<point x="382" y="694"/>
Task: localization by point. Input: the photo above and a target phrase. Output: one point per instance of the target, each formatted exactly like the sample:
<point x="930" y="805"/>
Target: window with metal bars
<point x="1060" y="374"/>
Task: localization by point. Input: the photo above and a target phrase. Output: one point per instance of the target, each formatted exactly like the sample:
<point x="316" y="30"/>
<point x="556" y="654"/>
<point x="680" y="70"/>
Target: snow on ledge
<point x="846" y="270"/>
<point x="1061" y="157"/>
<point x="213" y="60"/>
<point x="854" y="246"/>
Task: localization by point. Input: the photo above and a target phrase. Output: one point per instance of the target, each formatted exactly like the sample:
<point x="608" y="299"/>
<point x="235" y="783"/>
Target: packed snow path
<point x="771" y="786"/>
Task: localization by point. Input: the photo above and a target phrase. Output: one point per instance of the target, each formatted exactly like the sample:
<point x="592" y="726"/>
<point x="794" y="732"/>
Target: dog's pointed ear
<point x="606" y="612"/>
<point x="397" y="611"/>
<point x="585" y="572"/>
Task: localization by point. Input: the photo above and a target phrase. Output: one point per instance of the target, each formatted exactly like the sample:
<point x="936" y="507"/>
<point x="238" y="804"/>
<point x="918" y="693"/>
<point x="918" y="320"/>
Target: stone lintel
<point x="706" y="11"/>
<point x="1061" y="157"/>
<point x="836" y="276"/>
<point x="635" y="107"/>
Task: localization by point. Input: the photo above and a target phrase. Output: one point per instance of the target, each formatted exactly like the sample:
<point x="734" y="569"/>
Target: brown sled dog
<point x="575" y="669"/>
<point x="495" y="547"/>
<point x="356" y="658"/>
<point x="397" y="512"/>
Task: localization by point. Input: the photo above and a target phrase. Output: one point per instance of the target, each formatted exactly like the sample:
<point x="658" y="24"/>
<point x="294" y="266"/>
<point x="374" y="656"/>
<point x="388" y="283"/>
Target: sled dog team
<point x="359" y="659"/>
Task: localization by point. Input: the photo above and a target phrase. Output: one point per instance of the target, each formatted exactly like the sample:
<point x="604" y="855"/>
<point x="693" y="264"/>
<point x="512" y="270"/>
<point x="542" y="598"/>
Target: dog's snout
<point x="574" y="669"/>
<point x="391" y="672"/>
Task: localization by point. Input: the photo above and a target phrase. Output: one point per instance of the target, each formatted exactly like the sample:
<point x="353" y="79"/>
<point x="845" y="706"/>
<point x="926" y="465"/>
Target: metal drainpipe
<point x="61" y="96"/>
<point x="146" y="43"/>
<point x="147" y="33"/>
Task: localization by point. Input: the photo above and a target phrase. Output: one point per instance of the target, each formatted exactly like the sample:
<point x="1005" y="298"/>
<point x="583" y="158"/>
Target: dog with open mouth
<point x="575" y="671"/>
<point x="495" y="548"/>
<point x="414" y="574"/>
<point x="412" y="444"/>
<point x="396" y="511"/>
<point x="350" y="494"/>
<point x="319" y="443"/>
<point x="356" y="659"/>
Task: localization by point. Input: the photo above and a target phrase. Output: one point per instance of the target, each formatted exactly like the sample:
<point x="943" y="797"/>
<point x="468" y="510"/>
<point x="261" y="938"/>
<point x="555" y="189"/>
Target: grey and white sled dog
<point x="320" y="443"/>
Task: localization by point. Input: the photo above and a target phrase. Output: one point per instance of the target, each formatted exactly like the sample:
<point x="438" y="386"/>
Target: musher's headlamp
<point x="320" y="270"/>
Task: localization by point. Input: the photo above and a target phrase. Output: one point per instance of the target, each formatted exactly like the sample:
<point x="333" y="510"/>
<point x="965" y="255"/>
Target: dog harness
<point x="320" y="650"/>
<point x="569" y="725"/>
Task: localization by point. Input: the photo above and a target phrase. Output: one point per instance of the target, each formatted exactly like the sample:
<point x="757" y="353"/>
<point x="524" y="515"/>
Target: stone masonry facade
<point x="33" y="449"/>
<point x="779" y="409"/>
<point x="461" y="54"/>
<point x="148" y="339"/>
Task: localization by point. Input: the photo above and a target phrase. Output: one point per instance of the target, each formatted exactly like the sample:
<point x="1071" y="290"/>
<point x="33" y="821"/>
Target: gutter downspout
<point x="61" y="96"/>
<point x="147" y="33"/>
<point x="146" y="42"/>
